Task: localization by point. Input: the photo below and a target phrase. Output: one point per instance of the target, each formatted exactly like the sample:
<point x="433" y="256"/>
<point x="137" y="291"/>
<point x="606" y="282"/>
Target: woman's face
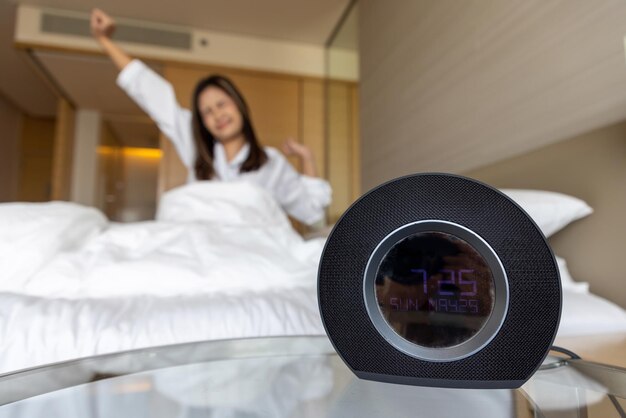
<point x="220" y="114"/>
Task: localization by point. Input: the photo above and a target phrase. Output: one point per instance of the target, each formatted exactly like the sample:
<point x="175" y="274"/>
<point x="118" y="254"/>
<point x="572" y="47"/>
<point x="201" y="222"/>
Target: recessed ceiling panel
<point x="89" y="81"/>
<point x="135" y="133"/>
<point x="19" y="81"/>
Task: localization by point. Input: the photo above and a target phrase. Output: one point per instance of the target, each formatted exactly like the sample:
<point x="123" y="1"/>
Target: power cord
<point x="574" y="356"/>
<point x="571" y="354"/>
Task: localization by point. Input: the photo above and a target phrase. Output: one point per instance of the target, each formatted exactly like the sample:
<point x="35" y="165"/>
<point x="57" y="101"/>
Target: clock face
<point x="434" y="289"/>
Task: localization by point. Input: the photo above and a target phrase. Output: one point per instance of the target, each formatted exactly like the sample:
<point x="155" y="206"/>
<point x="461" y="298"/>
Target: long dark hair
<point x="204" y="139"/>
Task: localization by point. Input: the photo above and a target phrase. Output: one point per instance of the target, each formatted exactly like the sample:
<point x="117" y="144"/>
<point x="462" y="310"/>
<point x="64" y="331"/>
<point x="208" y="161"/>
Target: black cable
<point x="617" y="406"/>
<point x="571" y="354"/>
<point x="574" y="356"/>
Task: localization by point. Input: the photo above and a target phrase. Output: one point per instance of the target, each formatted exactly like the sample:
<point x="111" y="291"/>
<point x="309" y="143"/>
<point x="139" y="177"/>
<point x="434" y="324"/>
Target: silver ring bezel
<point x="467" y="348"/>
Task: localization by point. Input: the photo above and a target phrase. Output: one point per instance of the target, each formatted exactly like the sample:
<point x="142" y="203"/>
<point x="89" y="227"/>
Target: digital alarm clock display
<point x="435" y="289"/>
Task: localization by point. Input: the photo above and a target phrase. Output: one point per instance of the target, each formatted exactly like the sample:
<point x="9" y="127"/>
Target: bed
<point x="73" y="284"/>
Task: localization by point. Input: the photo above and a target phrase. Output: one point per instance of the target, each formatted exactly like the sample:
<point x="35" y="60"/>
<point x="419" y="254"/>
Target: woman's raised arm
<point x="154" y="94"/>
<point x="102" y="27"/>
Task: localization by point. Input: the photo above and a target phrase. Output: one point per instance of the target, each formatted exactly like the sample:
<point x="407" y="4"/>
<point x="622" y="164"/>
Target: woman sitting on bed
<point x="216" y="140"/>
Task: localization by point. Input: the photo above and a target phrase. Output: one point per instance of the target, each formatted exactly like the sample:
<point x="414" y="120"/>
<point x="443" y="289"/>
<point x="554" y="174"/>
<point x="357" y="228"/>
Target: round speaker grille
<point x="527" y="294"/>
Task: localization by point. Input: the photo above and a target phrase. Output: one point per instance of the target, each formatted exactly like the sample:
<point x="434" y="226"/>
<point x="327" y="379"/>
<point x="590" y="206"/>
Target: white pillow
<point x="567" y="281"/>
<point x="586" y="313"/>
<point x="31" y="234"/>
<point x="550" y="210"/>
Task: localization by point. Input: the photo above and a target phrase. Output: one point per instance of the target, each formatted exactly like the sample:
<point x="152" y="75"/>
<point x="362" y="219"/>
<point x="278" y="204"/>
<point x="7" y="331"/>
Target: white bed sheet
<point x="41" y="330"/>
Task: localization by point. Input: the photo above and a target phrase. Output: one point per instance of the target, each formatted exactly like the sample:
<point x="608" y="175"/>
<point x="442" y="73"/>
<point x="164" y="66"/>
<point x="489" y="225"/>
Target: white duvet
<point x="220" y="261"/>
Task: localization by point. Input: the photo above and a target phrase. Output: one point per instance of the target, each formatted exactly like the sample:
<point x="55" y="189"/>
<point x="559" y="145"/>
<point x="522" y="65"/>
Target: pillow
<point x="31" y="234"/>
<point x="567" y="281"/>
<point x="550" y="210"/>
<point x="586" y="313"/>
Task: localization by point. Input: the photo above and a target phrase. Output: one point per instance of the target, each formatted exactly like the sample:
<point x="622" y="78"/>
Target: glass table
<point x="287" y="377"/>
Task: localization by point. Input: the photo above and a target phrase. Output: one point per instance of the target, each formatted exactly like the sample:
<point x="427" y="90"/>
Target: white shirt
<point x="301" y="196"/>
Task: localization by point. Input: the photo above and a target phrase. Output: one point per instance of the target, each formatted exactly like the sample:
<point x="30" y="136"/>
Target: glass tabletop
<point x="286" y="377"/>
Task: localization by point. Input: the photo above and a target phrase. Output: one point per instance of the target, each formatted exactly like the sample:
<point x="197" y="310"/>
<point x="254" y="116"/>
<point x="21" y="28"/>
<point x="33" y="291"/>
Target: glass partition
<point x="343" y="161"/>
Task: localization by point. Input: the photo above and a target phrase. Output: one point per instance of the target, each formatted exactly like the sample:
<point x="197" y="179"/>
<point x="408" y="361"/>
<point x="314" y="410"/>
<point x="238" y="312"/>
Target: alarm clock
<point x="439" y="280"/>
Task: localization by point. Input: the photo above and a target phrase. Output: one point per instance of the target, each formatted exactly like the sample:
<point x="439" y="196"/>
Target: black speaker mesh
<point x="534" y="285"/>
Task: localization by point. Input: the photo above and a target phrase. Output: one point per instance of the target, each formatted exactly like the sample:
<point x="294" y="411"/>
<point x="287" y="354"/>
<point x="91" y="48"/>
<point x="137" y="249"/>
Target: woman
<point x="216" y="140"/>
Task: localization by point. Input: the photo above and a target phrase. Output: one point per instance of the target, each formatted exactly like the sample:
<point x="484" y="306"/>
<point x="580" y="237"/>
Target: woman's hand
<point x="102" y="25"/>
<point x="102" y="28"/>
<point x="293" y="148"/>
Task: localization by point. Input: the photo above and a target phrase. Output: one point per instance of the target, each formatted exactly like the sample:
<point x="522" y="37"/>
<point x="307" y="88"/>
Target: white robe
<point x="301" y="196"/>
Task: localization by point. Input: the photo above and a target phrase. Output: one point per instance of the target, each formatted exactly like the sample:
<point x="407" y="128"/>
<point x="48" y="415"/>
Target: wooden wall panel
<point x="355" y="150"/>
<point x="11" y="123"/>
<point x="274" y="104"/>
<point x="343" y="141"/>
<point x="312" y="121"/>
<point x="63" y="151"/>
<point x="339" y="152"/>
<point x="36" y="156"/>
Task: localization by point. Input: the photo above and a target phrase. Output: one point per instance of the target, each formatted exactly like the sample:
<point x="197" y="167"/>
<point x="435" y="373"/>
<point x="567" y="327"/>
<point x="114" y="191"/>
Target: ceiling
<point x="19" y="82"/>
<point x="347" y="35"/>
<point x="97" y="91"/>
<point x="131" y="126"/>
<point x="134" y="132"/>
<point x="23" y="74"/>
<point x="305" y="21"/>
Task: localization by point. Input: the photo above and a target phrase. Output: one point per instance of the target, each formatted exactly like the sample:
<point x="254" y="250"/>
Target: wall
<point x="450" y="85"/>
<point x="11" y="123"/>
<point x="85" y="158"/>
<point x="591" y="166"/>
<point x="26" y="148"/>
